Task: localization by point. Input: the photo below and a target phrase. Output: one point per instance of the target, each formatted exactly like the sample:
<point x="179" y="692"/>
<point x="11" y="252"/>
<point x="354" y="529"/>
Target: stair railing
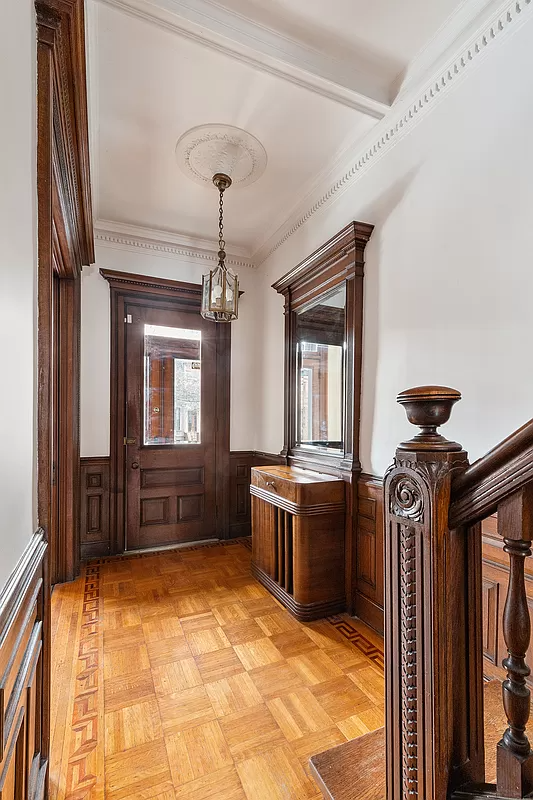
<point x="434" y="504"/>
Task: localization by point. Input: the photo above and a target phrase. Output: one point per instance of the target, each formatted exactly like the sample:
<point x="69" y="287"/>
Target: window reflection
<point x="320" y="357"/>
<point x="172" y="385"/>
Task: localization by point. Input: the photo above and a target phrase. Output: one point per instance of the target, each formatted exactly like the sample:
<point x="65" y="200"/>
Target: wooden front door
<point x="170" y="421"/>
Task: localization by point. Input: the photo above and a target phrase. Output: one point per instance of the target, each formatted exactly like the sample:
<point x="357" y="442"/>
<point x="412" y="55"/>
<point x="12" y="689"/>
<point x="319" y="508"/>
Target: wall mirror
<point x="320" y="334"/>
<point x="323" y="353"/>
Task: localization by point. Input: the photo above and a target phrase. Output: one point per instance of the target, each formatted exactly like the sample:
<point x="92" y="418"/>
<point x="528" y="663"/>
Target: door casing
<point x="127" y="287"/>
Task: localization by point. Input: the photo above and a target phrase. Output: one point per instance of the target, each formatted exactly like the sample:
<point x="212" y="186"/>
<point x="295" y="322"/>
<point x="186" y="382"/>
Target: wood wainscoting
<point x="95" y="532"/>
<point x="367" y="575"/>
<point x="24" y="730"/>
<point x="240" y="465"/>
<point x="95" y="538"/>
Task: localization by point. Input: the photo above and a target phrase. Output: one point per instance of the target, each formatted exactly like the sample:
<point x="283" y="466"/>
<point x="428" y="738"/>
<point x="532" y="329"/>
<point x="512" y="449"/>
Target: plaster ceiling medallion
<point x="209" y="149"/>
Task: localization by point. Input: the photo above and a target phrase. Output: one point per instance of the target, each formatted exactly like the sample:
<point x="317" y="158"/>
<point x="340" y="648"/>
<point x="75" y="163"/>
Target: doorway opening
<point x="170" y="387"/>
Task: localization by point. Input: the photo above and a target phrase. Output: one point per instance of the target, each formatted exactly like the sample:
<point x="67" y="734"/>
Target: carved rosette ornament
<point x="406" y="499"/>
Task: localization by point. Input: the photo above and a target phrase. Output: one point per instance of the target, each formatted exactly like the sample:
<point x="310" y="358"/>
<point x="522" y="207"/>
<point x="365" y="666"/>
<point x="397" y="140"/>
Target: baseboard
<point x="369" y="612"/>
<point x="239" y="530"/>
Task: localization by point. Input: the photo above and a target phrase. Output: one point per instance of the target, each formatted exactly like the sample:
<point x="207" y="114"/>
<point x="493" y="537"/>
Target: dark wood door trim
<point x="64" y="245"/>
<point x="128" y="287"/>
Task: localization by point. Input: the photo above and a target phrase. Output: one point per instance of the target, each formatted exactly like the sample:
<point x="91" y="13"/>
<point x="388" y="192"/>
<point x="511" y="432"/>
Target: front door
<point x="169" y="445"/>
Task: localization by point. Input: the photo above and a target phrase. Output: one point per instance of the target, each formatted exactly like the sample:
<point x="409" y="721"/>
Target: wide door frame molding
<point x="181" y="296"/>
<point x="64" y="245"/>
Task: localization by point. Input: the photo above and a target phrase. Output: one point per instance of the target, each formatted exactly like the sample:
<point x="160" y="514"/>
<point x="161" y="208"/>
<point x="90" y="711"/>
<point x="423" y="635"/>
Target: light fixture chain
<point x="221" y="242"/>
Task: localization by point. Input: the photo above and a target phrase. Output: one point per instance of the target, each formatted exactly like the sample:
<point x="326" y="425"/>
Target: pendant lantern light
<point x="220" y="287"/>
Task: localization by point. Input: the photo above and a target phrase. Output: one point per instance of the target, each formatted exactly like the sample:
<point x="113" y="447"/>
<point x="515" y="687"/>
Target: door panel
<point x="170" y="426"/>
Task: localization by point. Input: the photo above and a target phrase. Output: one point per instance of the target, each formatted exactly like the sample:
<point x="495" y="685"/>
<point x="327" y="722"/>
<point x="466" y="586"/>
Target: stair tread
<point x="355" y="770"/>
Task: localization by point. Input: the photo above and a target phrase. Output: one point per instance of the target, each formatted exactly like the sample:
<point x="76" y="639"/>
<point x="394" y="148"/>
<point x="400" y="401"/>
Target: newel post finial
<point x="433" y="610"/>
<point x="429" y="407"/>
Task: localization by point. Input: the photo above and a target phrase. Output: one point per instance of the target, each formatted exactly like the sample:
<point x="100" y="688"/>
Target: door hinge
<point x="128" y="319"/>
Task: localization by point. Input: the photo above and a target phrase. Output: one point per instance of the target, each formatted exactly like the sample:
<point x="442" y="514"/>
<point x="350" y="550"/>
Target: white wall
<point x="448" y="287"/>
<point x="449" y="274"/>
<point x="95" y="344"/>
<point x="17" y="277"/>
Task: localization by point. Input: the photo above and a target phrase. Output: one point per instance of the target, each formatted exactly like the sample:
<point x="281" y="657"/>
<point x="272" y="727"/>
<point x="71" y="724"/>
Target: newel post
<point x="433" y="614"/>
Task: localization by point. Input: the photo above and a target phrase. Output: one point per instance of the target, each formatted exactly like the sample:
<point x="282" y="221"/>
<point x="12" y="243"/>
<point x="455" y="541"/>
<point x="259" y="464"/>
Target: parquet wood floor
<point x="176" y="676"/>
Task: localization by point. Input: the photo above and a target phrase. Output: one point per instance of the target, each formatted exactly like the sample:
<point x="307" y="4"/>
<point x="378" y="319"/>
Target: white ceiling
<point x="308" y="85"/>
<point x="386" y="34"/>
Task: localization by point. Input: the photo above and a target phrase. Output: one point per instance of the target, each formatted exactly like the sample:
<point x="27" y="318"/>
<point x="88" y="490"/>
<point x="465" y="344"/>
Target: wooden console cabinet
<point x="298" y="539"/>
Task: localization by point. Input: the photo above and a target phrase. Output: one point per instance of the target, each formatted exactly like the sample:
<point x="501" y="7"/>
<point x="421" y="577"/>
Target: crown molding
<point x="401" y="119"/>
<point x="352" y="84"/>
<point x="121" y="236"/>
<point x="455" y="32"/>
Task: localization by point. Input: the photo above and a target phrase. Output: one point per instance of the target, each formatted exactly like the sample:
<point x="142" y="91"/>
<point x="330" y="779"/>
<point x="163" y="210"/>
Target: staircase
<point x="447" y="734"/>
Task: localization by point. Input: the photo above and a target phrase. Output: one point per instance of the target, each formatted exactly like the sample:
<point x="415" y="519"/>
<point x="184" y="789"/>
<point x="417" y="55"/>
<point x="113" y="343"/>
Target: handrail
<point x="477" y="492"/>
<point x="433" y="611"/>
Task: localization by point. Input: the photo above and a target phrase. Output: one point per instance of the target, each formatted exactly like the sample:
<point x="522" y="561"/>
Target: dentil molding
<point x="120" y="236"/>
<point x="401" y="119"/>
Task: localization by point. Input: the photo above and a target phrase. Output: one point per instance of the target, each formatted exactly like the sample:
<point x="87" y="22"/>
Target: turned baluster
<point x="514" y="755"/>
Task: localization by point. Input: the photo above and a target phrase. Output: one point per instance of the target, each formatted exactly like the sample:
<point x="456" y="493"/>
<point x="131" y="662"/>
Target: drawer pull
<point x="271" y="483"/>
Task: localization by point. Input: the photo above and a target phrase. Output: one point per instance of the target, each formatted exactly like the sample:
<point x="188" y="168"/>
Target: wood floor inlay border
<point x="86" y="758"/>
<point x="344" y="625"/>
<point x="197" y="655"/>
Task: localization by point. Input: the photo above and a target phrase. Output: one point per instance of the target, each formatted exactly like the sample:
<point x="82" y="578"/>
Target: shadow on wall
<point x="377" y="214"/>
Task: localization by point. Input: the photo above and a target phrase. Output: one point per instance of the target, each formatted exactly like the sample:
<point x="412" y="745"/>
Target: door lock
<point x="129" y="440"/>
<point x="135" y="465"/>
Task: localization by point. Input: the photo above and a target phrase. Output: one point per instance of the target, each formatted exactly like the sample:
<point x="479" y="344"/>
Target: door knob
<point x="135" y="465"/>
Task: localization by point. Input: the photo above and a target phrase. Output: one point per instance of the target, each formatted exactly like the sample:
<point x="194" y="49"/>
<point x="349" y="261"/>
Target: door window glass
<point x="172" y="385"/>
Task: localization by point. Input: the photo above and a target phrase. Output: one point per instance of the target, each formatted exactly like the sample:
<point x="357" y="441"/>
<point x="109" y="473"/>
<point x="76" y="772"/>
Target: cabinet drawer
<point x="275" y="483"/>
<point x="298" y="486"/>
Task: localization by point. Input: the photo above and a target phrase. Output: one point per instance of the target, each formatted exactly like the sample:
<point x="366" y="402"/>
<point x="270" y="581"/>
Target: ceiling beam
<point x="348" y="83"/>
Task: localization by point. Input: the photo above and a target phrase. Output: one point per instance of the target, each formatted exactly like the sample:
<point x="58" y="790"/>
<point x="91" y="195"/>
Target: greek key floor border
<point x="341" y="622"/>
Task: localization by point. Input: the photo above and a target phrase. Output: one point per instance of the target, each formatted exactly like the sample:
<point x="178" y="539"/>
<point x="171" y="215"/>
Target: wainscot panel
<point x="368" y="553"/>
<point x="94" y="507"/>
<point x="241" y="463"/>
<point x="23" y="676"/>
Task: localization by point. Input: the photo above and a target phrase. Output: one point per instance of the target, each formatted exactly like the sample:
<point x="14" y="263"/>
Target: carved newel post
<point x="433" y="614"/>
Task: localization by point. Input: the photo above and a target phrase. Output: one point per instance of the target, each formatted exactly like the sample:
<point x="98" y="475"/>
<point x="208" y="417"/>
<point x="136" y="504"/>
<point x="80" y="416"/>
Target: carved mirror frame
<point x="339" y="261"/>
